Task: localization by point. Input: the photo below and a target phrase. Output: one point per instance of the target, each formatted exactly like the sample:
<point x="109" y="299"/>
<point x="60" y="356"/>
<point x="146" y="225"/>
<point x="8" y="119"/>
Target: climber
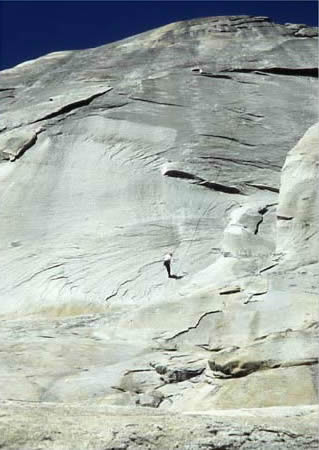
<point x="167" y="263"/>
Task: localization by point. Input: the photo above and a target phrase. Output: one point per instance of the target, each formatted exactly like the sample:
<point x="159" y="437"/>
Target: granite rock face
<point x="199" y="138"/>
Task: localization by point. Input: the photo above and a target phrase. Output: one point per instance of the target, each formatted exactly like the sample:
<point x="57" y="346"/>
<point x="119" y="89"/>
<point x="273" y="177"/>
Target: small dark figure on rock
<point x="167" y="263"/>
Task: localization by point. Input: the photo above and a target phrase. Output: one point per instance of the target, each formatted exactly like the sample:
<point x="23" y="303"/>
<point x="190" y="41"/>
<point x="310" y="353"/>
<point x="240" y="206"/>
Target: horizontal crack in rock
<point x="300" y="72"/>
<point x="215" y="75"/>
<point x="284" y="218"/>
<point x="228" y="291"/>
<point x="263" y="187"/>
<point x="137" y="371"/>
<point x="181" y="174"/>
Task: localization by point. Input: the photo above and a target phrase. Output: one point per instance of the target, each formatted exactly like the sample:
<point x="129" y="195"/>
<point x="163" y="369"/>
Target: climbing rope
<point x="196" y="228"/>
<point x="194" y="234"/>
<point x="232" y="132"/>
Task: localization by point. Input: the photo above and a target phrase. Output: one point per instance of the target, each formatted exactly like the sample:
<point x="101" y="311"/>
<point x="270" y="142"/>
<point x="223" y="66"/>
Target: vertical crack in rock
<point x="262" y="212"/>
<point x="258" y="225"/>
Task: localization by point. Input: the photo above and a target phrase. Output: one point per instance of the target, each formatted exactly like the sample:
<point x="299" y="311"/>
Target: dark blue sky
<point x="29" y="29"/>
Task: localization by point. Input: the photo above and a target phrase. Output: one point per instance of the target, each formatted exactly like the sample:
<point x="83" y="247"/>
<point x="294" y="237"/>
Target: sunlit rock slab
<point x="172" y="140"/>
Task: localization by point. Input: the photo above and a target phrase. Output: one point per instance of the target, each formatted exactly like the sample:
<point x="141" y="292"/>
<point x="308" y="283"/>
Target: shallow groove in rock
<point x="258" y="164"/>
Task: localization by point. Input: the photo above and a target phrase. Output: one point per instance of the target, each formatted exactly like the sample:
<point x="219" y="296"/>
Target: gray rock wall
<point x="196" y="138"/>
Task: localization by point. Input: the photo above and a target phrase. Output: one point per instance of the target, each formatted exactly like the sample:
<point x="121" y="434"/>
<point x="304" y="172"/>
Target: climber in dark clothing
<point x="167" y="263"/>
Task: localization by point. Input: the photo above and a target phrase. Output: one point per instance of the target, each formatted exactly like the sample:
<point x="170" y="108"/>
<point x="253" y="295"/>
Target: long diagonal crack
<point x="268" y="267"/>
<point x="38" y="273"/>
<point x="193" y="327"/>
<point x="263" y="187"/>
<point x="139" y="272"/>
<point x="156" y="103"/>
<point x="74" y="105"/>
<point x="175" y="173"/>
<point x="246" y="144"/>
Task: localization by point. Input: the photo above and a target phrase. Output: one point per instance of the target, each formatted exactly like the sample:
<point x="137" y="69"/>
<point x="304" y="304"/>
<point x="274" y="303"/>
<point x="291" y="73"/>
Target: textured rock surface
<point x="107" y="427"/>
<point x="198" y="138"/>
